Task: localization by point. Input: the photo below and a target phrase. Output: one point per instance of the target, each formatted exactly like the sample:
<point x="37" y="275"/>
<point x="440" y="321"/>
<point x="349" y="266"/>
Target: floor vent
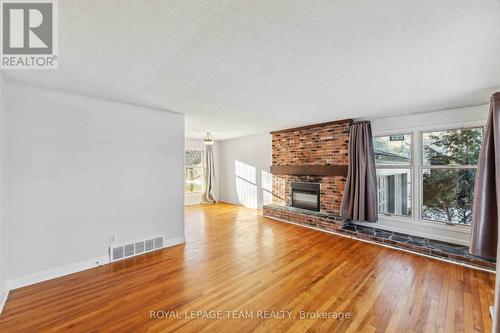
<point x="122" y="251"/>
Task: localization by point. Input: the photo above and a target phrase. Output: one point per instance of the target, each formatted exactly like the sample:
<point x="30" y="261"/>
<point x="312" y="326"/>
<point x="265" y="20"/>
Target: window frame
<point x="409" y="166"/>
<point x="202" y="169"/>
<point x="423" y="166"/>
<point x="416" y="220"/>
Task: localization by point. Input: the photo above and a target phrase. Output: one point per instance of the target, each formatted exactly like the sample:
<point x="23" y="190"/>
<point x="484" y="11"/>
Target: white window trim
<point x="402" y="166"/>
<point x="391" y="222"/>
<point x="422" y="166"/>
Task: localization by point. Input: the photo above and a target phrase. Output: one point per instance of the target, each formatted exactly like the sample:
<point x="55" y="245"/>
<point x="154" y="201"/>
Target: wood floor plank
<point x="236" y="260"/>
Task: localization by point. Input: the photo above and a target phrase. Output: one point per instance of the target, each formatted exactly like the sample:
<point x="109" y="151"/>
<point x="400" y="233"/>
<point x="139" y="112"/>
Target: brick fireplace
<point x="310" y="154"/>
<point x="318" y="154"/>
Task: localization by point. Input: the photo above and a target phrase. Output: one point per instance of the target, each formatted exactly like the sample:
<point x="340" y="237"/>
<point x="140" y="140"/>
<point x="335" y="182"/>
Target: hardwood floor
<point x="235" y="259"/>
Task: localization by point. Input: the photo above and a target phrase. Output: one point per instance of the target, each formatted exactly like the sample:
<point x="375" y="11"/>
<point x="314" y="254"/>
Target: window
<point x="193" y="171"/>
<point x="449" y="163"/>
<point x="393" y="159"/>
<point x="438" y="179"/>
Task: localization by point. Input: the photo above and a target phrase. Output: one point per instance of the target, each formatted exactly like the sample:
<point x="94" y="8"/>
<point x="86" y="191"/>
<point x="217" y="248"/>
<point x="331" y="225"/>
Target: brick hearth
<point x="321" y="220"/>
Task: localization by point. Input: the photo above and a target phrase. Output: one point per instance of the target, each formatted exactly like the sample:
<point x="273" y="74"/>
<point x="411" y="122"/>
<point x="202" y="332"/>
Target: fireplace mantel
<point x="309" y="170"/>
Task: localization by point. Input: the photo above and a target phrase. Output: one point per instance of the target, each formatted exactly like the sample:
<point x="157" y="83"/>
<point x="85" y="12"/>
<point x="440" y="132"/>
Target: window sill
<point x="192" y="194"/>
<point x="426" y="223"/>
<point x="456" y="234"/>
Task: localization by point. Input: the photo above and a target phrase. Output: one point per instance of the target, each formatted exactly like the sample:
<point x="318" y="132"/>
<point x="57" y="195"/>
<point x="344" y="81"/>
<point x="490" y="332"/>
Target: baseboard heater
<point x="123" y="251"/>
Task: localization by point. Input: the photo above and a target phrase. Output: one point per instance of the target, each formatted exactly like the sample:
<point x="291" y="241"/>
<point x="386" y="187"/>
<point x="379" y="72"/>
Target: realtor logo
<point x="29" y="34"/>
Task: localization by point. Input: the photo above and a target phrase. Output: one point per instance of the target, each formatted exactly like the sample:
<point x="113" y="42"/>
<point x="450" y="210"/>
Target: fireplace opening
<point x="306" y="196"/>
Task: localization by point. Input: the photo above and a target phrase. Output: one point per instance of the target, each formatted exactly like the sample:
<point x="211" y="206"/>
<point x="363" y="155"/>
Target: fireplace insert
<point x="306" y="195"/>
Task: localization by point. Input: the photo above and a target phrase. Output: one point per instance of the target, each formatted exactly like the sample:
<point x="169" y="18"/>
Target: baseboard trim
<point x="3" y="299"/>
<point x="56" y="272"/>
<point x="53" y="273"/>
<point x="385" y="245"/>
<point x="174" y="241"/>
<point x="231" y="203"/>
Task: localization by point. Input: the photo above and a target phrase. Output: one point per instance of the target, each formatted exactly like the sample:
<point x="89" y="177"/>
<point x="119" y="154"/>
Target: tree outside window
<point x="193" y="171"/>
<point x="449" y="163"/>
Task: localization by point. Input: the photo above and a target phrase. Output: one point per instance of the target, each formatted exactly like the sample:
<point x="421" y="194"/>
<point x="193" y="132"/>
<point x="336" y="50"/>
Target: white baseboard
<point x="3" y="298"/>
<point x="53" y="273"/>
<point x="231" y="203"/>
<point x="174" y="241"/>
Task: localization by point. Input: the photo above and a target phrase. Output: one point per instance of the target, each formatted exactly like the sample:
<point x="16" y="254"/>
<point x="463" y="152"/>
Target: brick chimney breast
<point x="322" y="144"/>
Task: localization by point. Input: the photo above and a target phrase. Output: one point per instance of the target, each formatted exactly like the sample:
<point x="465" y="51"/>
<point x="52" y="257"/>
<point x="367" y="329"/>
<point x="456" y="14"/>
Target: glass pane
<point x="193" y="158"/>
<point x="447" y="195"/>
<point x="394" y="191"/>
<point x="193" y="179"/>
<point x="392" y="149"/>
<point x="453" y="147"/>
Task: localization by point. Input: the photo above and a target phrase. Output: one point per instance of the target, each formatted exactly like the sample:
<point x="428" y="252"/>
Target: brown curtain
<point x="360" y="193"/>
<point x="484" y="234"/>
<point x="486" y="208"/>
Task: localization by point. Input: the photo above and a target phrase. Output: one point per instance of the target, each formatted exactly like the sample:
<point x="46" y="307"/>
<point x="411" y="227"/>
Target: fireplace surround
<point x="309" y="168"/>
<point x="312" y="154"/>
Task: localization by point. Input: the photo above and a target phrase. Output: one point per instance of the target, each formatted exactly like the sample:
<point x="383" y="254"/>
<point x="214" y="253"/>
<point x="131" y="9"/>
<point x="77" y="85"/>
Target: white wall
<point x="83" y="169"/>
<point x="453" y="117"/>
<point x="3" y="191"/>
<point x="244" y="170"/>
<point x="194" y="199"/>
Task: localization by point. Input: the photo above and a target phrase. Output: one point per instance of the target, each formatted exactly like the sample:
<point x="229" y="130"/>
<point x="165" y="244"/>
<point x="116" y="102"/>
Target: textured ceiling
<point x="242" y="67"/>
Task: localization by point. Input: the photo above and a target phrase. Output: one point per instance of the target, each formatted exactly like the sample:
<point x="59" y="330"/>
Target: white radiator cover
<point x="134" y="248"/>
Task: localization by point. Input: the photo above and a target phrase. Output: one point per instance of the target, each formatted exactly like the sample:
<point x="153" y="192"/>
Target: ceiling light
<point x="208" y="140"/>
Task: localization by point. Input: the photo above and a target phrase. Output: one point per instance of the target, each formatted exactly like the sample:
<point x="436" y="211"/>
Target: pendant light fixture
<point x="208" y="140"/>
